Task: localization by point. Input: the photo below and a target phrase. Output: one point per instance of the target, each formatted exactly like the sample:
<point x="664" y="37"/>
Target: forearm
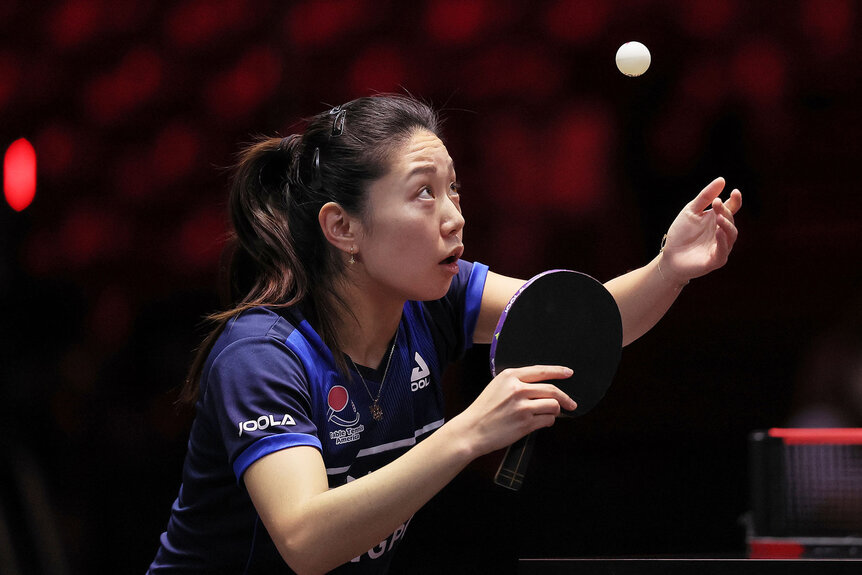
<point x="333" y="526"/>
<point x="643" y="295"/>
<point x="316" y="528"/>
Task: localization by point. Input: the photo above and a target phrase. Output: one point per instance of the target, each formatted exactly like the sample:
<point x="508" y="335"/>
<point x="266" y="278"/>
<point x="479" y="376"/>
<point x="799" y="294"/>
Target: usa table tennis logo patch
<point x="338" y="399"/>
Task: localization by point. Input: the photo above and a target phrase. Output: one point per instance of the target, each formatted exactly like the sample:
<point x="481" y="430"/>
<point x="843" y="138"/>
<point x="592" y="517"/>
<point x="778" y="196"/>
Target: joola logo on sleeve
<point x="264" y="422"/>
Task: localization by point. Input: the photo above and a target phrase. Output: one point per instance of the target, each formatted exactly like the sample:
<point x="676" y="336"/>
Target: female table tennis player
<point x="319" y="427"/>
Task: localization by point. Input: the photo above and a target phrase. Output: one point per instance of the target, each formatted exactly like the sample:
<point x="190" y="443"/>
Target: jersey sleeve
<point x="258" y="394"/>
<point x="453" y="318"/>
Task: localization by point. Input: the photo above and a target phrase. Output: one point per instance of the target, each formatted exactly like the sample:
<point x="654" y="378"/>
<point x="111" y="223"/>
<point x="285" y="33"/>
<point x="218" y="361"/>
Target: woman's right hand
<point x="512" y="405"/>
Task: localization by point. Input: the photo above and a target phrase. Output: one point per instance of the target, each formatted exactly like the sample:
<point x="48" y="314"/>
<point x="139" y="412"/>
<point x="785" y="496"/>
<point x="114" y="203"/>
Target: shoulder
<point x="259" y="325"/>
<point x="255" y="323"/>
<point x="253" y="342"/>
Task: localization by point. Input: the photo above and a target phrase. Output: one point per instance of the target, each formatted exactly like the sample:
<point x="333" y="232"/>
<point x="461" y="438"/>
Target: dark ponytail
<point x="279" y="255"/>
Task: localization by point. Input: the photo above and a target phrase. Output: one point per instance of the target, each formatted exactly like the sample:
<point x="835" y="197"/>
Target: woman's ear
<point x="338" y="226"/>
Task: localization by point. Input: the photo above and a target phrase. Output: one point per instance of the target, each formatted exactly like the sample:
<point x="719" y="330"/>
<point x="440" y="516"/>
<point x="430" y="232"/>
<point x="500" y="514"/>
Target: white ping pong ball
<point x="633" y="58"/>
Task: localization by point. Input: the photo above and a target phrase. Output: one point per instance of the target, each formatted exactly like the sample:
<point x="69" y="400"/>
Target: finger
<point x="544" y="415"/>
<point x="734" y="202"/>
<point x="725" y="237"/>
<point x="709" y="193"/>
<point x="546" y="407"/>
<point x="727" y="226"/>
<point x="535" y="392"/>
<point x="720" y="209"/>
<point x="536" y="373"/>
<point x="722" y="247"/>
<point x="541" y="421"/>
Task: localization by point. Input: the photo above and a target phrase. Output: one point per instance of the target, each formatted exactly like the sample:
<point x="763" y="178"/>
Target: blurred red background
<point x="135" y="107"/>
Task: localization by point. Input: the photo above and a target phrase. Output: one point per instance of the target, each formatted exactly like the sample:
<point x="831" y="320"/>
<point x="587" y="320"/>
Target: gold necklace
<point x="376" y="410"/>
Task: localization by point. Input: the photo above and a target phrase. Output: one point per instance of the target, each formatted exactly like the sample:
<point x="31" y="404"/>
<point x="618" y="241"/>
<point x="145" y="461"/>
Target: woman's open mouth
<point x="451" y="262"/>
<point x="454" y="255"/>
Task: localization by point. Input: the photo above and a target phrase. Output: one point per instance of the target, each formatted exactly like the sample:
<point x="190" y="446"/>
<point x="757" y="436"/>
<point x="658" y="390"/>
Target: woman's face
<point x="412" y="231"/>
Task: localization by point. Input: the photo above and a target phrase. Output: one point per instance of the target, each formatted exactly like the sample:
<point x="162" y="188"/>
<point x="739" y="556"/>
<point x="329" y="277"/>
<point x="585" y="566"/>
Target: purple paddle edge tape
<point x="505" y="313"/>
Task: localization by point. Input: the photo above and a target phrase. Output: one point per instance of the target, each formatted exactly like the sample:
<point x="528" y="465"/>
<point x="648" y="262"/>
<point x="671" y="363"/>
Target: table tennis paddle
<point x="559" y="317"/>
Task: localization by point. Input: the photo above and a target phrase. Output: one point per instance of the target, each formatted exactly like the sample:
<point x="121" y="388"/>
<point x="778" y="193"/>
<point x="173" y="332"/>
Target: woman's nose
<point x="453" y="221"/>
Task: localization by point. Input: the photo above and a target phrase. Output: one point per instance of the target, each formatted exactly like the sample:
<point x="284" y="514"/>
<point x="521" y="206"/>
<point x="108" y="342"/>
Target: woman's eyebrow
<point x="429" y="169"/>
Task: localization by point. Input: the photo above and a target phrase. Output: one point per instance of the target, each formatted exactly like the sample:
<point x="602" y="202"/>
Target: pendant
<point x="376" y="411"/>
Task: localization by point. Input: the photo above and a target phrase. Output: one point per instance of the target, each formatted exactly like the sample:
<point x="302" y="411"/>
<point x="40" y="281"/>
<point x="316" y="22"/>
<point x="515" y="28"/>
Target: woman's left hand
<point x="700" y="239"/>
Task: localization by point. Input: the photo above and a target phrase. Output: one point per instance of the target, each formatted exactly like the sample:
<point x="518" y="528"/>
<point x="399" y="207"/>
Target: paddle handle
<point x="514" y="465"/>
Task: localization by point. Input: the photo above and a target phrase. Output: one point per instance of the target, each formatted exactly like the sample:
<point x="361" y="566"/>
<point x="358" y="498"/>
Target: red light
<point x="19" y="174"/>
<point x="775" y="549"/>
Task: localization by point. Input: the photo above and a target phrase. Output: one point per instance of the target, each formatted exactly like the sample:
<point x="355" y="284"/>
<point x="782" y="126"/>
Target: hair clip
<point x="338" y="123"/>
<point x="316" y="182"/>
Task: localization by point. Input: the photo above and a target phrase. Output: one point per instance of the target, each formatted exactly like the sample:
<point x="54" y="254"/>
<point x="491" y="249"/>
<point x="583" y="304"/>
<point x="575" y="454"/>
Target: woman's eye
<point x="455" y="189"/>
<point x="426" y="193"/>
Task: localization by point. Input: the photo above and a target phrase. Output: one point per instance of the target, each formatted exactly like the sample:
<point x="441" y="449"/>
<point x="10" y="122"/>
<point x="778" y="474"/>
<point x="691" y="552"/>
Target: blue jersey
<point x="270" y="383"/>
